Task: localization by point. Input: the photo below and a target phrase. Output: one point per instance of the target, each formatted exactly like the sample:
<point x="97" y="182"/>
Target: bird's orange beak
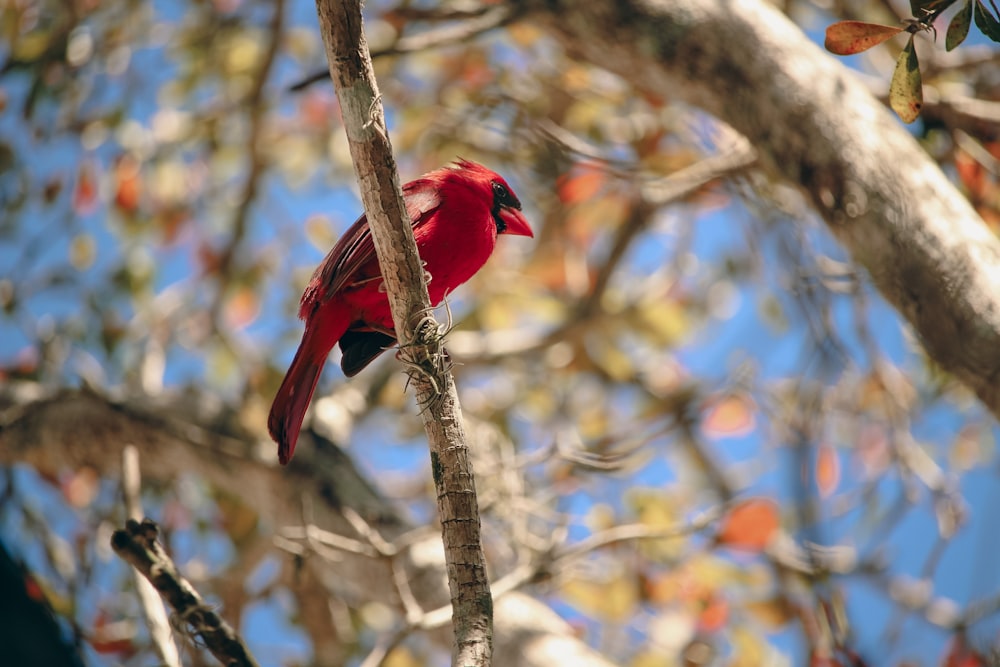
<point x="517" y="224"/>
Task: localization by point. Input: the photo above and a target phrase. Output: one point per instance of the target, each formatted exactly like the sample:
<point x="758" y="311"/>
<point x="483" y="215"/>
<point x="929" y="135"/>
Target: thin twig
<point x="470" y="28"/>
<point x="138" y="546"/>
<point x="256" y="103"/>
<point x="152" y="607"/>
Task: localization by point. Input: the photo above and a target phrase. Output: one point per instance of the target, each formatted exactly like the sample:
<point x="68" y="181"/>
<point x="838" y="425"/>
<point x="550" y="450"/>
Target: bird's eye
<point x="503" y="197"/>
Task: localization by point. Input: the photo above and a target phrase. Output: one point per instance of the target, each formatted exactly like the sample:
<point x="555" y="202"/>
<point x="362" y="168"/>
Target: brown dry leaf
<point x="850" y="37"/>
<point x="773" y="614"/>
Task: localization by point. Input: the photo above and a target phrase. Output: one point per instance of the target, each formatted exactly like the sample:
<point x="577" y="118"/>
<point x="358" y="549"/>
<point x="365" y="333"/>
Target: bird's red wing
<point x="339" y="269"/>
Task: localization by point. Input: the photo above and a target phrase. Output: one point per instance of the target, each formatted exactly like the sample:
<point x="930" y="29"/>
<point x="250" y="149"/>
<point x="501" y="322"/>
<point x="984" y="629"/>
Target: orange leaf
<point x="582" y="185"/>
<point x="750" y="525"/>
<point x="822" y="659"/>
<point x="873" y="450"/>
<point x="731" y="416"/>
<point x="827" y="470"/>
<point x="242" y="308"/>
<point x="714" y="615"/>
<point x="33" y="589"/>
<point x="846" y="38"/>
<point x="108" y="636"/>
<point x="971" y="174"/>
<point x="81" y="488"/>
<point x="961" y="655"/>
<point x="317" y="110"/>
<point x="128" y="184"/>
<point x="85" y="193"/>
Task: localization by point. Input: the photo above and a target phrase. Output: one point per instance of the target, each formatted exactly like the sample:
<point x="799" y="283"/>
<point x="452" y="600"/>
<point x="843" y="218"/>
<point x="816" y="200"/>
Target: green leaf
<point x="905" y="92"/>
<point x="958" y="29"/>
<point x="986" y="22"/>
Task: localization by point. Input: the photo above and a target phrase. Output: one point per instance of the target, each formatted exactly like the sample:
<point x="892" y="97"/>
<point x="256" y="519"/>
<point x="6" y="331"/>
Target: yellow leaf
<point x="612" y="360"/>
<point x="222" y="364"/>
<point x="242" y="53"/>
<point x="972" y="447"/>
<point x="402" y="657"/>
<point x="600" y="517"/>
<point x="651" y="659"/>
<point x="170" y="182"/>
<point x="593" y="424"/>
<point x="319" y="232"/>
<point x="709" y="572"/>
<point x="906" y="95"/>
<point x="524" y="33"/>
<point x="748" y="649"/>
<point x="301" y="43"/>
<point x="614" y="600"/>
<point x="576" y="78"/>
<point x="665" y="321"/>
<point x="238" y="519"/>
<point x="658" y="510"/>
<point x="496" y="315"/>
<point x="82" y="252"/>
<point x="31" y="46"/>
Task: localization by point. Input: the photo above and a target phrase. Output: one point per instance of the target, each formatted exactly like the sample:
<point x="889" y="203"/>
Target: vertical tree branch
<point x="417" y="331"/>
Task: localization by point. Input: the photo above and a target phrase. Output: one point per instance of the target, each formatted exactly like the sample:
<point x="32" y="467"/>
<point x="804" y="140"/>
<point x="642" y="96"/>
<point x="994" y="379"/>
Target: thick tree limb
<point x="815" y="124"/>
<point x="416" y="329"/>
<point x="137" y="545"/>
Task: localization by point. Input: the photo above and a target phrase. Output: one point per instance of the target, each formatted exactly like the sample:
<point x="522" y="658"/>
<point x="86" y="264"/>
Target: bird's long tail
<point x="296" y="390"/>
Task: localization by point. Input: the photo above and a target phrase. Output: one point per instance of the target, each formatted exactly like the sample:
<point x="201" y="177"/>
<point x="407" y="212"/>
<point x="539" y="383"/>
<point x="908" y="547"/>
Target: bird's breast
<point x="452" y="258"/>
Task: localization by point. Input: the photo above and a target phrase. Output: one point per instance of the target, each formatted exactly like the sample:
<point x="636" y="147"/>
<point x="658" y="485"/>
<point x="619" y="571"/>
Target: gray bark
<point x="417" y="331"/>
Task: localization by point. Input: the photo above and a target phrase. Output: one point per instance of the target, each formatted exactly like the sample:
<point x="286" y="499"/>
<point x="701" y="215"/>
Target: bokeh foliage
<point x="165" y="194"/>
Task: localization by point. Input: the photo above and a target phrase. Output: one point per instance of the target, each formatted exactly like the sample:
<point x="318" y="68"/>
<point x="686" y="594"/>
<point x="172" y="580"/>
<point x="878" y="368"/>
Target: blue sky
<point x="963" y="575"/>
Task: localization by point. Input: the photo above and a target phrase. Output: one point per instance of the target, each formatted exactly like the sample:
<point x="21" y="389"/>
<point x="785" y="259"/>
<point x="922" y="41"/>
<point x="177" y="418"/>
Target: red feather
<point x="457" y="213"/>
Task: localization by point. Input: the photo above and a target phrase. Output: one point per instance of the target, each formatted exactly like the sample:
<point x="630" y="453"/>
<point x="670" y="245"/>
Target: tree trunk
<point x="817" y="127"/>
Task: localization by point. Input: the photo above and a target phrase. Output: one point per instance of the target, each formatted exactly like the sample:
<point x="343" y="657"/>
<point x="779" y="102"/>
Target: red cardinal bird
<point x="457" y="212"/>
